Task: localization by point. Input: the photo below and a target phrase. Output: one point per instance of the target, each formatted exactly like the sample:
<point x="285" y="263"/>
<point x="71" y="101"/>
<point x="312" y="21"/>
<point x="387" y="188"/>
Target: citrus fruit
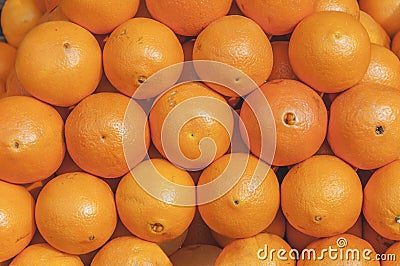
<point x="59" y="62"/>
<point x="336" y="53"/>
<point x="96" y="135"/>
<point x="281" y="68"/>
<point x="251" y="203"/>
<point x="17" y="221"/>
<point x="136" y="50"/>
<point x="31" y="137"/>
<point x="196" y="255"/>
<point x="375" y="31"/>
<point x="322" y="196"/>
<point x="75" y="213"/>
<point x="157" y="216"/>
<point x="239" y="42"/>
<point x="55" y="14"/>
<point x="391" y="254"/>
<point x="7" y="55"/>
<point x="364" y="125"/>
<point x="188" y="17"/>
<point x="347" y="6"/>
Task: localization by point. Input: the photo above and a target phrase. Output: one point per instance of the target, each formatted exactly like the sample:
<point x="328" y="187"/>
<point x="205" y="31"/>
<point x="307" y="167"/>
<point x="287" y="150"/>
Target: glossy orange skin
<point x="300" y="121"/>
<point x="360" y="126"/>
<point x="380" y="243"/>
<point x="375" y="31"/>
<point x="239" y="42"/>
<point x="199" y="254"/>
<point x="7" y="62"/>
<point x="250" y="212"/>
<point x="128" y="63"/>
<point x="63" y="56"/>
<point x="322" y="196"/>
<point x="276" y="17"/>
<point x="281" y="68"/>
<point x="99" y="17"/>
<point x="31" y="140"/>
<point x="96" y="135"/>
<point x="130" y="250"/>
<point x="185" y="17"/>
<point x="347" y="6"/>
<point x="394" y="249"/>
<point x="75" y="213"/>
<point x="46" y="255"/>
<point x="335" y="54"/>
<point x="380" y="208"/>
<point x="17" y="225"/>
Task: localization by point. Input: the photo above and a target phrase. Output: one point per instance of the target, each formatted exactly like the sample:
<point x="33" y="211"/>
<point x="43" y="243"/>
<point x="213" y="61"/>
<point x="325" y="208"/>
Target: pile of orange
<point x="200" y="132"/>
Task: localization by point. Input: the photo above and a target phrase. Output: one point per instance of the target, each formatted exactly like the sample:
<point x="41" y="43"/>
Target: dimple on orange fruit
<point x="321" y="196"/>
<point x="59" y="62"/>
<point x="330" y="51"/>
<point x="31" y="137"/>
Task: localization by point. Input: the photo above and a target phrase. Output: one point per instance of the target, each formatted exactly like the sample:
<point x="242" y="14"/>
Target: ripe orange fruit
<point x="394" y="249"/>
<point x="364" y="123"/>
<point x="386" y="13"/>
<point x="44" y="254"/>
<point x="63" y="56"/>
<point x="276" y="17"/>
<point x="281" y="68"/>
<point x="196" y="255"/>
<point x="380" y="208"/>
<point x="335" y="55"/>
<point x="384" y="67"/>
<point x="181" y="105"/>
<point x="239" y="42"/>
<point x="31" y="137"/>
<point x="128" y="63"/>
<point x="380" y="243"/>
<point x="251" y="208"/>
<point x="247" y="251"/>
<point x="188" y="18"/>
<point x="13" y="86"/>
<point x="130" y="250"/>
<point x="300" y="119"/>
<point x="375" y="31"/>
<point x="75" y="213"/>
<point x="347" y="6"/>
<point x="99" y="17"/>
<point x="7" y="55"/>
<point x="350" y="250"/>
<point x="97" y="135"/>
<point x="396" y="44"/>
<point x="159" y="219"/>
<point x="18" y="17"/>
<point x="17" y="221"/>
<point x="321" y="196"/>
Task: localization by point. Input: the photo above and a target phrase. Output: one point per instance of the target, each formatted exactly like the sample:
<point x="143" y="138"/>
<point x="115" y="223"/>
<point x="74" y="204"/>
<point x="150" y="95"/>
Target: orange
<point x="128" y="63"/>
<point x="185" y="115"/>
<point x="18" y="17"/>
<point x="97" y="135"/>
<point x="160" y="218"/>
<point x="55" y="14"/>
<point x="99" y="17"/>
<point x="321" y="196"/>
<point x="392" y="254"/>
<point x="386" y="13"/>
<point x="44" y="254"/>
<point x="239" y="42"/>
<point x="347" y="6"/>
<point x="196" y="255"/>
<point x="380" y="205"/>
<point x="199" y="232"/>
<point x="255" y="251"/>
<point x="63" y="56"/>
<point x="375" y="31"/>
<point x="300" y="120"/>
<point x="13" y="86"/>
<point x="281" y="68"/>
<point x="380" y="243"/>
<point x="17" y="221"/>
<point x="251" y="203"/>
<point x="130" y="250"/>
<point x="75" y="213"/>
<point x="384" y="67"/>
<point x="361" y="127"/>
<point x="350" y="250"/>
<point x="396" y="44"/>
<point x="7" y="55"/>
<point x="31" y="136"/>
<point x="47" y="5"/>
<point x="336" y="53"/>
<point x="276" y="17"/>
<point x="185" y="17"/>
